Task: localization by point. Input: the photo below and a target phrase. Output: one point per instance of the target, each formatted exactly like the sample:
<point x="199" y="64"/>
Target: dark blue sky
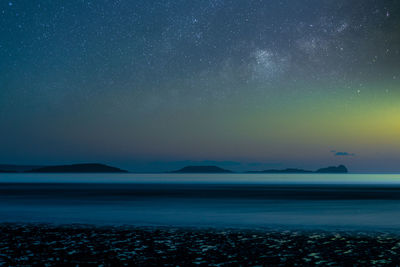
<point x="152" y="85"/>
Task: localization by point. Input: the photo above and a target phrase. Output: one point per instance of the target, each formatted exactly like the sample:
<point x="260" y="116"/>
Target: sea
<point x="311" y="201"/>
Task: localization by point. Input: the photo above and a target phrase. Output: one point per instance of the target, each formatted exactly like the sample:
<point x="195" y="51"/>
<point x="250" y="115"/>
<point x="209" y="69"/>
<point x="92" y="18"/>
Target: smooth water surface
<point x="219" y="200"/>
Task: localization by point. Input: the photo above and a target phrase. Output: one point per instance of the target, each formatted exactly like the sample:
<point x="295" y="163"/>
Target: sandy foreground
<point x="83" y="245"/>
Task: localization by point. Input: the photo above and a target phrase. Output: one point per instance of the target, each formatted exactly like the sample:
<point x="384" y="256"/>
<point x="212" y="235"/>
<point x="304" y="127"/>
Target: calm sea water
<point x="361" y="201"/>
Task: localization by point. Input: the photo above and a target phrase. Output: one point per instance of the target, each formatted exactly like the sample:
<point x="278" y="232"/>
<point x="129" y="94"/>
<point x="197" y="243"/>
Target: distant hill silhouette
<point x="331" y="169"/>
<point x="290" y="170"/>
<point x="78" y="168"/>
<point x="7" y="171"/>
<point x="18" y="168"/>
<point x="201" y="169"/>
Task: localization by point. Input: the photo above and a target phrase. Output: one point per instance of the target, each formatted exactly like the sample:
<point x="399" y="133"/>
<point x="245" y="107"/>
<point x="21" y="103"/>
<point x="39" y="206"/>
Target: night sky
<point x="155" y="85"/>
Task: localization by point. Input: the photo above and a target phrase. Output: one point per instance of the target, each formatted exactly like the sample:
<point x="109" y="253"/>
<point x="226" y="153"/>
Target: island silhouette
<point x="18" y="168"/>
<point x="7" y="171"/>
<point x="330" y="169"/>
<point x="79" y="168"/>
<point x="201" y="169"/>
<point x="102" y="168"/>
<point x="289" y="170"/>
<point x="333" y="169"/>
<point x="216" y="169"/>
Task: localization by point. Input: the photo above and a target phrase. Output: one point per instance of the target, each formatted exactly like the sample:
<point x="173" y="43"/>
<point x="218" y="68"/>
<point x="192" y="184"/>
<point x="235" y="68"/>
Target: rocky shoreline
<point x="72" y="245"/>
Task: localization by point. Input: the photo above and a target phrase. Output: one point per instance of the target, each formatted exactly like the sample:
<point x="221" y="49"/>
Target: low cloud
<point x="342" y="154"/>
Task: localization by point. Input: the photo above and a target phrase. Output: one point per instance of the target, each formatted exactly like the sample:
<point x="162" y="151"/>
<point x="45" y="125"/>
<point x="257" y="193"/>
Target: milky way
<point x="144" y="84"/>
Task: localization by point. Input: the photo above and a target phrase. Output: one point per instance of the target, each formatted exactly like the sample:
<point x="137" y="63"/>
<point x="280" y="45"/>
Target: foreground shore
<point x="40" y="244"/>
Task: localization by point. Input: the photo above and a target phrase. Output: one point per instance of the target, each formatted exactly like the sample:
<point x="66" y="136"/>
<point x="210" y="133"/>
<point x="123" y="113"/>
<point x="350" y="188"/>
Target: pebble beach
<point x="86" y="245"/>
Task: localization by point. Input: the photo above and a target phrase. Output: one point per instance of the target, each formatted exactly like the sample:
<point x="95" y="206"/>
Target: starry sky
<point x="243" y="84"/>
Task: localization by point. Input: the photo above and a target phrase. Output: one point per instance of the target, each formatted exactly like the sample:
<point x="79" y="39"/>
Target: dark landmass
<point x="6" y="171"/>
<point x="101" y="168"/>
<point x="18" y="168"/>
<point x="282" y="171"/>
<point x="79" y="168"/>
<point x="202" y="169"/>
<point x="332" y="169"/>
<point x="83" y="245"/>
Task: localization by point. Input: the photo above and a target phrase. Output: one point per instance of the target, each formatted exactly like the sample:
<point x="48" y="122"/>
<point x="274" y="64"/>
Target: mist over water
<point x="361" y="201"/>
